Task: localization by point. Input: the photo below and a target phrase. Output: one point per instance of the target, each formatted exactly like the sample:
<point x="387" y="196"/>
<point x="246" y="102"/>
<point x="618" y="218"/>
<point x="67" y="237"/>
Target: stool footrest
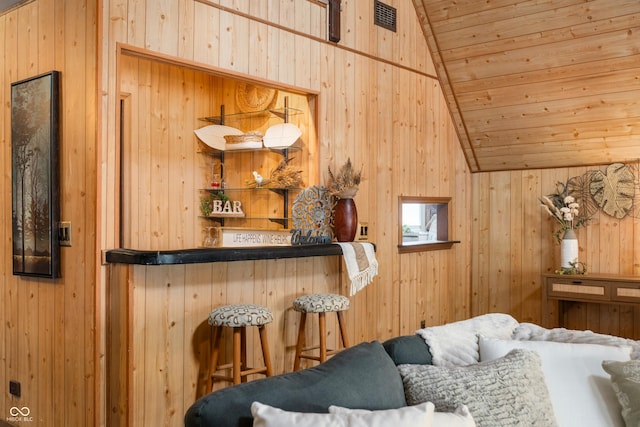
<point x="317" y="347"/>
<point x="244" y="373"/>
<point x="222" y="377"/>
<point x="329" y="352"/>
<point x="223" y="367"/>
<point x="251" y="371"/>
<point x="317" y="358"/>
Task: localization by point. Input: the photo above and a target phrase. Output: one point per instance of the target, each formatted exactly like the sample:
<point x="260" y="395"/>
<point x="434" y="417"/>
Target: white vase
<point x="569" y="248"/>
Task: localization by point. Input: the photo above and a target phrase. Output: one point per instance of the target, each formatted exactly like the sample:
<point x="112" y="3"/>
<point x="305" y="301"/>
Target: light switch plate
<point x="64" y="233"/>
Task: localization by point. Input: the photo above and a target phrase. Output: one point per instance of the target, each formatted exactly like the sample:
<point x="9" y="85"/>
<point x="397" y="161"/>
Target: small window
<point x="424" y="223"/>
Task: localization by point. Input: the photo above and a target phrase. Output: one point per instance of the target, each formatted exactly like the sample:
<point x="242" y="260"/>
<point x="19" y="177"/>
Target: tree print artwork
<point x="34" y="141"/>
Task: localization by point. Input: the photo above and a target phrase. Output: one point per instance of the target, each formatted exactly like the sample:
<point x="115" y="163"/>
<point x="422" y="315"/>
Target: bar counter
<point x="205" y="255"/>
<point x="158" y="302"/>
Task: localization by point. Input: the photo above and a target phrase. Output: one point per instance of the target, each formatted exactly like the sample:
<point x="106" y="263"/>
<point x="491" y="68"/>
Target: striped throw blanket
<point x="361" y="262"/>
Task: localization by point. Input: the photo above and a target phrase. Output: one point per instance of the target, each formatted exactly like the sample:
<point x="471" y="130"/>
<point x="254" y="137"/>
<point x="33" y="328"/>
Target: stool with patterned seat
<point x="238" y="317"/>
<point x="321" y="304"/>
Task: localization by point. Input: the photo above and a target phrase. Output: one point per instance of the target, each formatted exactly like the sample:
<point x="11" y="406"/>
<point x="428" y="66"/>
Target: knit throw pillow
<point x="503" y="392"/>
<point x="625" y="378"/>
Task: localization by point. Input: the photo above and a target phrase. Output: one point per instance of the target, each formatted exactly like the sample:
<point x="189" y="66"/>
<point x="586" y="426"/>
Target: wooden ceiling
<point x="539" y="83"/>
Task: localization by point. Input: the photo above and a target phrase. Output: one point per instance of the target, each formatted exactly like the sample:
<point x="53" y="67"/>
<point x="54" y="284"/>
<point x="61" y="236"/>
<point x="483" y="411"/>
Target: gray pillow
<point x="503" y="392"/>
<point x="408" y="349"/>
<point x="625" y="378"/>
<point x="362" y="376"/>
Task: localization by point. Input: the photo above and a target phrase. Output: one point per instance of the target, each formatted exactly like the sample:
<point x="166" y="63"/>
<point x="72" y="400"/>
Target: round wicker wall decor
<point x="251" y="98"/>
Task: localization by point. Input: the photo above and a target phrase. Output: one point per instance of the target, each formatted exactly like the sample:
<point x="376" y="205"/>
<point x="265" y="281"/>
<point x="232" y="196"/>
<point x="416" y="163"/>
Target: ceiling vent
<point x="384" y="15"/>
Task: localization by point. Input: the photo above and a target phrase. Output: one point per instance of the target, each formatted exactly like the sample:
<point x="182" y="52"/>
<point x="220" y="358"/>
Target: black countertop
<point x="204" y="255"/>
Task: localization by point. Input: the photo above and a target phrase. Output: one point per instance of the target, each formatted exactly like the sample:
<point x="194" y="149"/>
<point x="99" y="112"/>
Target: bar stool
<point x="238" y="317"/>
<point x="321" y="304"/>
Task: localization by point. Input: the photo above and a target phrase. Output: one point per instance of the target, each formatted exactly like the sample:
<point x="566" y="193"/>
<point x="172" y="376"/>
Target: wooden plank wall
<point x="379" y="104"/>
<point x="48" y="332"/>
<point x="513" y="246"/>
<point x="163" y="104"/>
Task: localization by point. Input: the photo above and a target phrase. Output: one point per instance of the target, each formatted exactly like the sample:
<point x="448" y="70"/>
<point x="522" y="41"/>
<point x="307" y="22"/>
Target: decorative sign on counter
<point x="246" y="237"/>
<point x="300" y="237"/>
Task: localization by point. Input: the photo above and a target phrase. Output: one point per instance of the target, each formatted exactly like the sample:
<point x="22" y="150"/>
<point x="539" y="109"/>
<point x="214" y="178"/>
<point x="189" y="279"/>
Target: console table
<point x="590" y="288"/>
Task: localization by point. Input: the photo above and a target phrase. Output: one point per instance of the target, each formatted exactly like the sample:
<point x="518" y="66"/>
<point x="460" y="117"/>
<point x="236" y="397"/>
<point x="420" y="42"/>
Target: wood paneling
<point x="48" y="333"/>
<point x="162" y="106"/>
<point x="513" y="246"/>
<point x="538" y="84"/>
<point x="378" y="103"/>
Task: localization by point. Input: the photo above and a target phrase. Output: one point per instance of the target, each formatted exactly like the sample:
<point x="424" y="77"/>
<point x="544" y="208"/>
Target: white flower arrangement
<point x="564" y="209"/>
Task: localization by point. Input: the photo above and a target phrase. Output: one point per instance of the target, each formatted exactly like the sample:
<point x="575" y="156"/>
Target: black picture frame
<point x="35" y="134"/>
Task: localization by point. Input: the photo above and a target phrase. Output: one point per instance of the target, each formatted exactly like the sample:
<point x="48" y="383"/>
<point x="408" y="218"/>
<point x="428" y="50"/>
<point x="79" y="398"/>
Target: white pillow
<point x="410" y="416"/>
<point x="580" y="390"/>
<point x="268" y="416"/>
<point x="461" y="417"/>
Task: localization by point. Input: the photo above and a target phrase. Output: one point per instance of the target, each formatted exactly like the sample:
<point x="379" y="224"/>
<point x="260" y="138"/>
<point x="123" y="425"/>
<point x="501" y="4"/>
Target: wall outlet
<point x="14" y="388"/>
<point x="423" y="324"/>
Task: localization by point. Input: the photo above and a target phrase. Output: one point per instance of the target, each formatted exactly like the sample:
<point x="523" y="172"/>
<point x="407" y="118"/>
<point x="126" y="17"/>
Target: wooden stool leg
<point x="237" y="357"/>
<point x="243" y="353"/>
<point x="343" y="329"/>
<point x="265" y="349"/>
<point x="301" y="341"/>
<point x="215" y="353"/>
<point x="323" y="336"/>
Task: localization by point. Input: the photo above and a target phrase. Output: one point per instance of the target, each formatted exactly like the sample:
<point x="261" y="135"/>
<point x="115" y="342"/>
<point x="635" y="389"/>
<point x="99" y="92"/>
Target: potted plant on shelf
<point x="343" y="186"/>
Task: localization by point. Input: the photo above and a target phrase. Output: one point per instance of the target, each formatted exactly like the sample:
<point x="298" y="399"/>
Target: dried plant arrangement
<point x="344" y="184"/>
<point x="284" y="176"/>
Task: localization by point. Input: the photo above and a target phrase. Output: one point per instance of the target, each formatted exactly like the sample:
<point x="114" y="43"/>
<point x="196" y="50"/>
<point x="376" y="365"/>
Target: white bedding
<point x="458" y="344"/>
<point x="532" y="332"/>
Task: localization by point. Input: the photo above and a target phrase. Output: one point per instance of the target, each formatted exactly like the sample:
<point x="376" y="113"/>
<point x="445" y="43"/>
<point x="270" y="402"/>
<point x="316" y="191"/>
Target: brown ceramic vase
<point x="345" y="218"/>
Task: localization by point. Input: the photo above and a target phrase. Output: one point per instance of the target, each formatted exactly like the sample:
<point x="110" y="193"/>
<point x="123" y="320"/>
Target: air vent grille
<point x="384" y="15"/>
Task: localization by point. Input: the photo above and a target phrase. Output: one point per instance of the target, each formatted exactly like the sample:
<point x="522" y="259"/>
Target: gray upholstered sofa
<point x="363" y="376"/>
<point x="502" y="372"/>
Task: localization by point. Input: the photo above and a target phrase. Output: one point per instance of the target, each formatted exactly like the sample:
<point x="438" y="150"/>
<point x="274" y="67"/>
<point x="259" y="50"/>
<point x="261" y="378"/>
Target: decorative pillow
<point x="410" y="416"/>
<point x="456" y="344"/>
<point x="408" y="349"/>
<point x="268" y="416"/>
<point x="625" y="377"/>
<point x="345" y="379"/>
<point x="461" y="417"/>
<point x="579" y="388"/>
<point x="502" y="392"/>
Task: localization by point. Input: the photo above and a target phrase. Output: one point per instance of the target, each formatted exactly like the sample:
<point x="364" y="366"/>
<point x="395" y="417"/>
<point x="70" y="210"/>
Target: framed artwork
<point x="35" y="124"/>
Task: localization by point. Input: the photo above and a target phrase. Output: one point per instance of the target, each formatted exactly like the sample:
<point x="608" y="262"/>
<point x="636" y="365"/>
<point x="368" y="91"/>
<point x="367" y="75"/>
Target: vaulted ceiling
<point x="539" y="83"/>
